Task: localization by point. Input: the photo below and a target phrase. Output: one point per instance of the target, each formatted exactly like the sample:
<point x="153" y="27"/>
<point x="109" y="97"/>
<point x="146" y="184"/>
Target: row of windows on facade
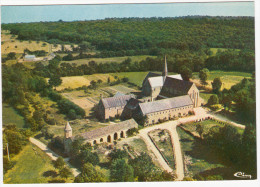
<point x="167" y="111"/>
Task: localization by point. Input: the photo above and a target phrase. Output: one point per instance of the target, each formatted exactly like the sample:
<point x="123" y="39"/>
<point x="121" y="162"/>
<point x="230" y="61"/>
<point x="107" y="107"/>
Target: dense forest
<point x="126" y="34"/>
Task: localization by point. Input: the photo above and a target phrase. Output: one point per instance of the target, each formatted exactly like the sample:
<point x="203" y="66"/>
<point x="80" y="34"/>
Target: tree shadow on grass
<point x="201" y="151"/>
<point x="50" y="173"/>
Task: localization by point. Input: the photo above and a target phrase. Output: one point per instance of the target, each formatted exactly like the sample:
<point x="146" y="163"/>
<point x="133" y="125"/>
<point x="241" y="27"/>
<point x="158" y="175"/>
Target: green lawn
<point x="207" y="124"/>
<point x="10" y="115"/>
<point x="30" y="167"/>
<point x="197" y="157"/>
<point x="205" y="96"/>
<point x="135" y="77"/>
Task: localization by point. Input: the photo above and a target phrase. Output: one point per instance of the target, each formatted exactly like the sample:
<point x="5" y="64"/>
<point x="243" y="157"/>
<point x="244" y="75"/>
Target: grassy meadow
<point x="31" y="165"/>
<point x="11" y="116"/>
<point x="108" y="60"/>
<point x="11" y="44"/>
<point x="228" y="78"/>
<point x="79" y="81"/>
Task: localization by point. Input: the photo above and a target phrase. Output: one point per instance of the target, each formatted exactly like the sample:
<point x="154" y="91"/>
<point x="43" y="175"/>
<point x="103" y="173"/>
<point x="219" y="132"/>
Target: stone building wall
<point x="168" y="114"/>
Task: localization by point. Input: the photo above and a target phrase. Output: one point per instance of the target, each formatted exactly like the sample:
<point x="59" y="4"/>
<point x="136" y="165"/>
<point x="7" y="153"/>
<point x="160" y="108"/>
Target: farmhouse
<point x="29" y="58"/>
<point x="107" y="134"/>
<point x="166" y="109"/>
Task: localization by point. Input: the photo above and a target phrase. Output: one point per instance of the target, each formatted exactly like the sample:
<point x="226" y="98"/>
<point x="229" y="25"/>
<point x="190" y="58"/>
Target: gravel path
<point x="53" y="155"/>
<point x="171" y="126"/>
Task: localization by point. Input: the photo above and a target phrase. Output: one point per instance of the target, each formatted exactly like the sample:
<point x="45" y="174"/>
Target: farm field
<point x="79" y="81"/>
<point x="228" y="78"/>
<point x="10" y="116"/>
<point x="30" y="167"/>
<point x="11" y="44"/>
<point x="107" y="60"/>
<point x="197" y="158"/>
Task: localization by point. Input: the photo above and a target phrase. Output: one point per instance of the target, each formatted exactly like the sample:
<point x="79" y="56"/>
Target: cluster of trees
<point x="233" y="148"/>
<point x="36" y="53"/>
<point x="184" y="63"/>
<point x="244" y="98"/>
<point x="140" y="168"/>
<point x="20" y="86"/>
<point x="10" y="56"/>
<point x="119" y="34"/>
<point x="14" y="140"/>
<point x="232" y="60"/>
<point x="122" y="167"/>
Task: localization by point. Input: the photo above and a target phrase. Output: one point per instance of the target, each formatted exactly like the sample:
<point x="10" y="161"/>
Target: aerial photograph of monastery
<point x="128" y="93"/>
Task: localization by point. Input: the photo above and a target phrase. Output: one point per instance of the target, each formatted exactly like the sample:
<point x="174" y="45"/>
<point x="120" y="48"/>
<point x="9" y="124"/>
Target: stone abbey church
<point x="164" y="97"/>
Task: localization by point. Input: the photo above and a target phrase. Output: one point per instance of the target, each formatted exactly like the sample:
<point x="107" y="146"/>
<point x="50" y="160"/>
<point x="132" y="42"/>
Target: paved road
<point x="53" y="155"/>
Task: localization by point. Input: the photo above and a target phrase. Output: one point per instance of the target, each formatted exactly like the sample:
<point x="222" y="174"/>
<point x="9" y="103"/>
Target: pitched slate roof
<point x="110" y="129"/>
<point x="116" y="101"/>
<point x="178" y="76"/>
<point x="150" y="74"/>
<point x="165" y="104"/>
<point x="156" y="81"/>
<point x="68" y="127"/>
<point x="180" y="85"/>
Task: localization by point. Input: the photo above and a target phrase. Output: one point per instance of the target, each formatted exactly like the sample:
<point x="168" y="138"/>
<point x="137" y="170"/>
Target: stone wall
<point x="168" y="114"/>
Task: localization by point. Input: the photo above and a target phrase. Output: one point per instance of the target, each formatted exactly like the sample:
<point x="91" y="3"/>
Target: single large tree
<point x="216" y="85"/>
<point x="185" y="72"/>
<point x="59" y="163"/>
<point x="203" y="75"/>
<point x="213" y="100"/>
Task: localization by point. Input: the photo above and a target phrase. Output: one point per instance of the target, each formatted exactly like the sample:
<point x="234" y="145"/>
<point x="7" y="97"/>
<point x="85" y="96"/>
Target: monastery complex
<point x="164" y="97"/>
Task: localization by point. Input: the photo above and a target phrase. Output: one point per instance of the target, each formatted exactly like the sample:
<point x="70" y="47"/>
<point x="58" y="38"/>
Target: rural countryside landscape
<point x="128" y="99"/>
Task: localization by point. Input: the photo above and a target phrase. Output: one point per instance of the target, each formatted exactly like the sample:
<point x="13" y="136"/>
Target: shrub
<point x="215" y="107"/>
<point x="213" y="100"/>
<point x="132" y="132"/>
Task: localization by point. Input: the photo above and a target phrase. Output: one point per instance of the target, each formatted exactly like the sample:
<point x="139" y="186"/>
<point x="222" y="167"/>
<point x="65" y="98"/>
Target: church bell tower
<point x="165" y="70"/>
